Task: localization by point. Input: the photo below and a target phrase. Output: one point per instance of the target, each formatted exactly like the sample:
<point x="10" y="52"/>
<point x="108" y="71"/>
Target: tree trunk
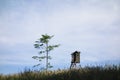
<point x="46" y="56"/>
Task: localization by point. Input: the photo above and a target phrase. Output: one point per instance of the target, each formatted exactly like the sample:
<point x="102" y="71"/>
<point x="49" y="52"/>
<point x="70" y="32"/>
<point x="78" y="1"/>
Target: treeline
<point x="86" y="73"/>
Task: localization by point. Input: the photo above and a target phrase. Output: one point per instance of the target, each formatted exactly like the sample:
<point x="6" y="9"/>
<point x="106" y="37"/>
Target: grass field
<point x="86" y="73"/>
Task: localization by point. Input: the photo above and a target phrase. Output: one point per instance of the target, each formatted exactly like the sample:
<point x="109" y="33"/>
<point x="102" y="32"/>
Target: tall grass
<point x="86" y="73"/>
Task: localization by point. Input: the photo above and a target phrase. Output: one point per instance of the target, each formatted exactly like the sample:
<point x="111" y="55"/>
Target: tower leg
<point x="73" y="65"/>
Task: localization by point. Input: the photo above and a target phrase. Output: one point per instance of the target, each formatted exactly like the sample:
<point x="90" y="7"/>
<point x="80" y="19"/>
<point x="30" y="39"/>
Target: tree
<point x="43" y="44"/>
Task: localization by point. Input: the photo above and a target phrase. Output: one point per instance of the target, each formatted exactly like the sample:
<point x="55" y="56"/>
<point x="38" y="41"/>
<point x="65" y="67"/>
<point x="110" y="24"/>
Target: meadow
<point x="83" y="73"/>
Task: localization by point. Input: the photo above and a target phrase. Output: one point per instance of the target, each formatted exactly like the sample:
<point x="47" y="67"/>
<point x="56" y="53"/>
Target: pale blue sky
<point x="89" y="26"/>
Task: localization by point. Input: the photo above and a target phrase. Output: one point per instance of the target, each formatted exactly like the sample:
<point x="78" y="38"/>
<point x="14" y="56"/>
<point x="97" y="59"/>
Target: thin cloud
<point x="89" y="26"/>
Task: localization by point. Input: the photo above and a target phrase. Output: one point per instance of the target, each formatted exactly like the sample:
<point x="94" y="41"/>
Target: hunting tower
<point x="75" y="59"/>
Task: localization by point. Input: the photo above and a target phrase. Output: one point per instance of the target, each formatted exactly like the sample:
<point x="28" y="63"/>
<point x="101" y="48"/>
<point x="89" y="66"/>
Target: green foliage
<point x="43" y="45"/>
<point x="86" y="73"/>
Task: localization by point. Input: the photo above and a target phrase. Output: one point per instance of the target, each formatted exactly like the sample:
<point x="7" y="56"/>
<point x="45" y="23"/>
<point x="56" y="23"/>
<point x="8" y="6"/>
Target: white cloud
<point x="17" y="59"/>
<point x="88" y="26"/>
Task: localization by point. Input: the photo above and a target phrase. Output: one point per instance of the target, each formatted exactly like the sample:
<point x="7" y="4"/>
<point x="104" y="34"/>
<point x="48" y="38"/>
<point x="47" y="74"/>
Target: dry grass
<point x="86" y="73"/>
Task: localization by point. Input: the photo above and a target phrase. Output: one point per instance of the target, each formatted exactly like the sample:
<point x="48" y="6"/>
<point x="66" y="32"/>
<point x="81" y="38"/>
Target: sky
<point x="89" y="26"/>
